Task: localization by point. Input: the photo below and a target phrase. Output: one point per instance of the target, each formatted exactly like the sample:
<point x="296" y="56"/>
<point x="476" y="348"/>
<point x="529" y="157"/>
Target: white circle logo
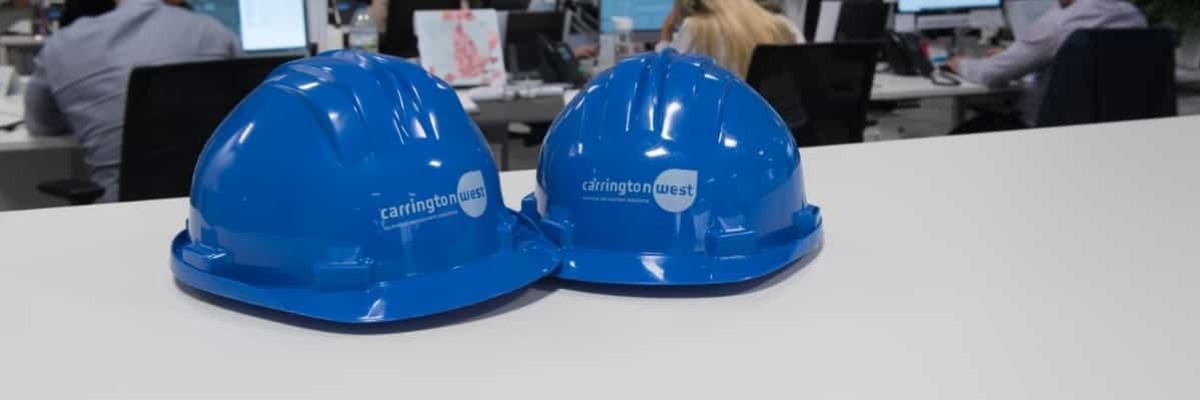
<point x="675" y="190"/>
<point x="472" y="194"/>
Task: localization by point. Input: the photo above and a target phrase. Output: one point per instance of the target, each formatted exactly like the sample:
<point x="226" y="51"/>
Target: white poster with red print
<point x="461" y="46"/>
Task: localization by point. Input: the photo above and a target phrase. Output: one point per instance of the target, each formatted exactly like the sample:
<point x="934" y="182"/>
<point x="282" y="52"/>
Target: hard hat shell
<point x="668" y="170"/>
<point x="353" y="187"/>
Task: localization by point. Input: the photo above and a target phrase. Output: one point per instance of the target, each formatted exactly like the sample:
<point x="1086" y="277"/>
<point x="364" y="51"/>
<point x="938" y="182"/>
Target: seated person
<point x="81" y="76"/>
<point x="1035" y="53"/>
<point x="726" y="30"/>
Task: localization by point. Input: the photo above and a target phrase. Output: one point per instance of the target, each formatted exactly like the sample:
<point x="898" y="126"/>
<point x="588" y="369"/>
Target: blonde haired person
<point x="726" y="30"/>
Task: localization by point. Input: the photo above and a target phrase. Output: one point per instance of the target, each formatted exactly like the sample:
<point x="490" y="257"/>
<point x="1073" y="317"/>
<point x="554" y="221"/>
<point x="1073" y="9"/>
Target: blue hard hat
<point x="353" y="187"/>
<point x="668" y="170"/>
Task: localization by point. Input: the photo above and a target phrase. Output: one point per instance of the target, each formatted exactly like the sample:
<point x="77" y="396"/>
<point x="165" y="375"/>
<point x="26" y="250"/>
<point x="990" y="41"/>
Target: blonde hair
<point x="729" y="30"/>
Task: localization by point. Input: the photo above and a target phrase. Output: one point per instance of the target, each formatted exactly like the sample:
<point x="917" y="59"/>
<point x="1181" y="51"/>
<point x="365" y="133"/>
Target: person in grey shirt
<point x="1034" y="52"/>
<point x="81" y="76"/>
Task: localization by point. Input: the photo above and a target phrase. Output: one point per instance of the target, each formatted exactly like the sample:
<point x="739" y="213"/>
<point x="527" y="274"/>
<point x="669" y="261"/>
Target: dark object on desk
<point x="75" y="9"/>
<point x="821" y="90"/>
<point x="523" y="50"/>
<point x="170" y="113"/>
<point x="1104" y="75"/>
<point x="906" y="57"/>
<point x="559" y="64"/>
<point x="75" y="191"/>
<point x="400" y="39"/>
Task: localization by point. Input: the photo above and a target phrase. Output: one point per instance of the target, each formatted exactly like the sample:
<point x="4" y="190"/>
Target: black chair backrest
<point x="822" y="91"/>
<point x="1104" y="75"/>
<point x="170" y="113"/>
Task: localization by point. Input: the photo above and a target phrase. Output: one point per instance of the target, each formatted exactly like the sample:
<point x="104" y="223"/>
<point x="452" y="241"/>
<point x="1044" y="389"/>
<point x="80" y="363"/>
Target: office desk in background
<point x="892" y="87"/>
<point x="494" y="117"/>
<point x="26" y="161"/>
<point x="949" y="272"/>
<point x="13" y="42"/>
<point x="1187" y="77"/>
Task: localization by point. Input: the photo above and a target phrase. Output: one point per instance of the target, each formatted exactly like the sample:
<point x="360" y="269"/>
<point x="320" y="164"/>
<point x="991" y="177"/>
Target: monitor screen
<point x="648" y="15"/>
<point x="263" y="25"/>
<point x="912" y="6"/>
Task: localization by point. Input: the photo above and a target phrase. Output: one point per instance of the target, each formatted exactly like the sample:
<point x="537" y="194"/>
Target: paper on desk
<point x="12" y="110"/>
<point x="461" y="46"/>
<point x="828" y="21"/>
<point x="468" y="105"/>
<point x="23" y="26"/>
<point x="906" y="23"/>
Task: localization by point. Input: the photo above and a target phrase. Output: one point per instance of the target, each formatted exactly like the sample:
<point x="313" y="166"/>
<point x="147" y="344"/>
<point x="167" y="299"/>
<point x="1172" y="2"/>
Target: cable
<point x="947" y="79"/>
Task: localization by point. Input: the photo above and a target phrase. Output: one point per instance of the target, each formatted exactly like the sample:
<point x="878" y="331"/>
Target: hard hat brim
<point x="509" y="270"/>
<point x="657" y="269"/>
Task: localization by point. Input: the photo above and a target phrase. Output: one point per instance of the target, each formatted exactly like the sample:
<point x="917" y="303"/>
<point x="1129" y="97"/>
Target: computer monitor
<point x="400" y="38"/>
<point x="263" y="25"/>
<point x="648" y="15"/>
<point x="916" y="6"/>
<point x="862" y="20"/>
<point x="509" y="5"/>
<point x="521" y="37"/>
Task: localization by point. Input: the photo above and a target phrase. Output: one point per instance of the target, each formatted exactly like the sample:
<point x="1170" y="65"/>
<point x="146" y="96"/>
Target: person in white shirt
<point x="81" y="76"/>
<point x="726" y="30"/>
<point x="1034" y="52"/>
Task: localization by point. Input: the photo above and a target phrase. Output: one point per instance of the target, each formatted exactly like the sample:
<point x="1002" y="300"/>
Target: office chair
<point x="170" y="112"/>
<point x="822" y="91"/>
<point x="1104" y="75"/>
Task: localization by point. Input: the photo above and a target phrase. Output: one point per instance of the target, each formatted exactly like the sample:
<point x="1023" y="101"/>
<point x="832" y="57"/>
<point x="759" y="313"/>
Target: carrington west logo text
<point x="674" y="190"/>
<point x="470" y="199"/>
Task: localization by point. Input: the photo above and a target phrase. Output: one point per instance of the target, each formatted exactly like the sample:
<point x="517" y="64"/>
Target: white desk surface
<point x="1044" y="264"/>
<point x="1186" y="76"/>
<point x="19" y="140"/>
<point x="891" y="87"/>
<point x="22" y="40"/>
<point x="13" y="108"/>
